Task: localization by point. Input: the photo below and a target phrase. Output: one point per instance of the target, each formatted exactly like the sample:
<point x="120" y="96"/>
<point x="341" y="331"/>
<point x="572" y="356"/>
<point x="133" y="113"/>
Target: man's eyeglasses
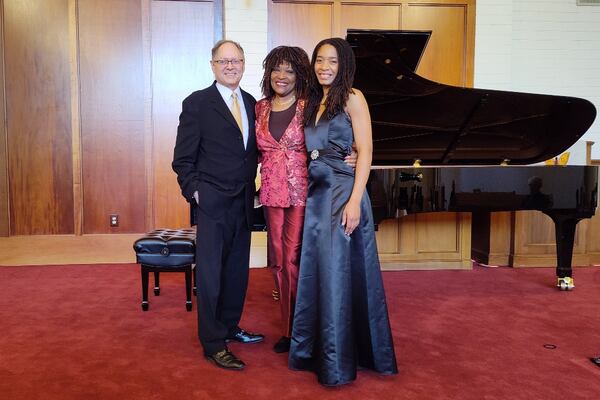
<point x="234" y="61"/>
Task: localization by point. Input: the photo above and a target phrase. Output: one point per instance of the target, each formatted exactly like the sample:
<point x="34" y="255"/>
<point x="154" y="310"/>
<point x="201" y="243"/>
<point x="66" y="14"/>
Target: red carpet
<point x="78" y="332"/>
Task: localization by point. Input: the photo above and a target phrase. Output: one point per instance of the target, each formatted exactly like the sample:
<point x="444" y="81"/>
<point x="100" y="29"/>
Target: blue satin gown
<point x="341" y="320"/>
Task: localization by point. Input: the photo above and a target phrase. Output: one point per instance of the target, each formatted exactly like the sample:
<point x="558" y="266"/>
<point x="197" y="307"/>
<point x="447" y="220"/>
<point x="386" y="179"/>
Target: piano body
<point x="441" y="148"/>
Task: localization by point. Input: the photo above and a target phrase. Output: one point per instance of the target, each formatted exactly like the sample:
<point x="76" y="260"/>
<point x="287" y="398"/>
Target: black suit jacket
<point x="209" y="153"/>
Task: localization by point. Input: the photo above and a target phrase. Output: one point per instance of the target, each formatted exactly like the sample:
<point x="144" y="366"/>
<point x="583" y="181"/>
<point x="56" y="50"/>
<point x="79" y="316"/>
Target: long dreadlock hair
<point x="298" y="60"/>
<point x="341" y="86"/>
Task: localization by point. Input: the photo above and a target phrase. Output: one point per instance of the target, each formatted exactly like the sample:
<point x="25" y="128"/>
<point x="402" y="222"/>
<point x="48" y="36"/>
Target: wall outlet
<point x="114" y="219"/>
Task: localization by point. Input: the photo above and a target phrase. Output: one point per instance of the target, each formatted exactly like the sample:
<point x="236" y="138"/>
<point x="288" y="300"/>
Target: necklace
<point x="284" y="103"/>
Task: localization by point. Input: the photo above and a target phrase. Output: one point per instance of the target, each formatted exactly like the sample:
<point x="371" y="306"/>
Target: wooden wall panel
<point x="445" y="59"/>
<point x="370" y="16"/>
<point x="112" y="115"/>
<point x="4" y="219"/>
<point x="438" y="233"/>
<point x="37" y="76"/>
<point x="75" y="122"/>
<point x="593" y="244"/>
<point x="300" y="24"/>
<point x="182" y="37"/>
<point x="539" y="229"/>
<point x="501" y="234"/>
<point x="388" y="237"/>
<point x="413" y="252"/>
<point x="535" y="244"/>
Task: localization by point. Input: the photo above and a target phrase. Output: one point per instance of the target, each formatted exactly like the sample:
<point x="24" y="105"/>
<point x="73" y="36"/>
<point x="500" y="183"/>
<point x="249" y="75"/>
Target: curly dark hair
<point x="298" y="60"/>
<point x="340" y="88"/>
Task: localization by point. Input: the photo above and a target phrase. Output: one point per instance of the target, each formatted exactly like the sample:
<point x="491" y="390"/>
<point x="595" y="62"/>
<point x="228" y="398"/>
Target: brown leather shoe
<point x="227" y="360"/>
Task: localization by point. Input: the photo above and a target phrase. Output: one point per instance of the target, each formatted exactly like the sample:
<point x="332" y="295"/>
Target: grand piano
<point x="440" y="148"/>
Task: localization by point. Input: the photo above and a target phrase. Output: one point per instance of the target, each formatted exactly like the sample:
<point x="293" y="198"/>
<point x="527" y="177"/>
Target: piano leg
<point x="564" y="226"/>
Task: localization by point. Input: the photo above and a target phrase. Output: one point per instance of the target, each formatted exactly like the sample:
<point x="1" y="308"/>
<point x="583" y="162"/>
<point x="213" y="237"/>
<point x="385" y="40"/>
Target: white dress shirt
<point x="226" y="94"/>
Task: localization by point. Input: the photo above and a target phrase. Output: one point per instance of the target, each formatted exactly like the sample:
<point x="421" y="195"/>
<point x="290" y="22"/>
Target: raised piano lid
<point x="415" y="118"/>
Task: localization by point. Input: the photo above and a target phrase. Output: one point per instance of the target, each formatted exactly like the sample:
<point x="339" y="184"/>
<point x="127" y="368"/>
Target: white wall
<point x="537" y="46"/>
<point x="541" y="46"/>
<point x="246" y="23"/>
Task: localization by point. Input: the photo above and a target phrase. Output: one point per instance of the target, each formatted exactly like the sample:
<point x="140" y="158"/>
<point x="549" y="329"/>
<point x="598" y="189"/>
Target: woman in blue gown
<point x="341" y="321"/>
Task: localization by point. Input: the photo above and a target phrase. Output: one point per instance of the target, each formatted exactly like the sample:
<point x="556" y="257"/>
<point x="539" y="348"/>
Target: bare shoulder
<point x="356" y="101"/>
<point x="356" y="95"/>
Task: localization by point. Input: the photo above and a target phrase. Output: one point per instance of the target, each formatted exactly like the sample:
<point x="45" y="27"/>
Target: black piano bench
<point x="166" y="250"/>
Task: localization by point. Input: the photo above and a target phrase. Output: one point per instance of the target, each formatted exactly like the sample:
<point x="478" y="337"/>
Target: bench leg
<point x="144" y="288"/>
<point x="156" y="284"/>
<point x="194" y="277"/>
<point x="188" y="288"/>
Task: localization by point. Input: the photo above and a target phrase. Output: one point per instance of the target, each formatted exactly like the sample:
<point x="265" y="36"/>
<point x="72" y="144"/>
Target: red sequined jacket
<point x="283" y="171"/>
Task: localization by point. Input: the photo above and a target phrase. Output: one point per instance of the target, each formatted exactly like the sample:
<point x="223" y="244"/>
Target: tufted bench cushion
<point x="166" y="250"/>
<point x="166" y="247"/>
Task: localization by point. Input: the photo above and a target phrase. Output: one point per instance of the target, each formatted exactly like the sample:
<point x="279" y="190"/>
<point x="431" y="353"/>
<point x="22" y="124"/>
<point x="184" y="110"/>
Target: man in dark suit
<point x="215" y="159"/>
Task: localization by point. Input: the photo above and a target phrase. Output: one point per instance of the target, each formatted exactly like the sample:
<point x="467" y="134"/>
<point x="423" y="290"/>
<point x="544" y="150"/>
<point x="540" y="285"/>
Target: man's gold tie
<point x="235" y="110"/>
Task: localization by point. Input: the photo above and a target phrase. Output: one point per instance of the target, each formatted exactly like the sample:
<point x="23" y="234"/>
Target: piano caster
<point x="565" y="283"/>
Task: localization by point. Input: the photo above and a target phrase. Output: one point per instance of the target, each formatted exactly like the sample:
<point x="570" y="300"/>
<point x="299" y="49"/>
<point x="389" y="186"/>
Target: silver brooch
<point x="314" y="154"/>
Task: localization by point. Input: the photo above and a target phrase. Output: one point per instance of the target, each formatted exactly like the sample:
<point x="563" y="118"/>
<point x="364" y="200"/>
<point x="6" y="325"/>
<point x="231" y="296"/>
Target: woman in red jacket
<point x="284" y="180"/>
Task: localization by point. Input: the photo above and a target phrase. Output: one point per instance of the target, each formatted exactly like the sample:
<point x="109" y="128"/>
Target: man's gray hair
<point x="221" y="43"/>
